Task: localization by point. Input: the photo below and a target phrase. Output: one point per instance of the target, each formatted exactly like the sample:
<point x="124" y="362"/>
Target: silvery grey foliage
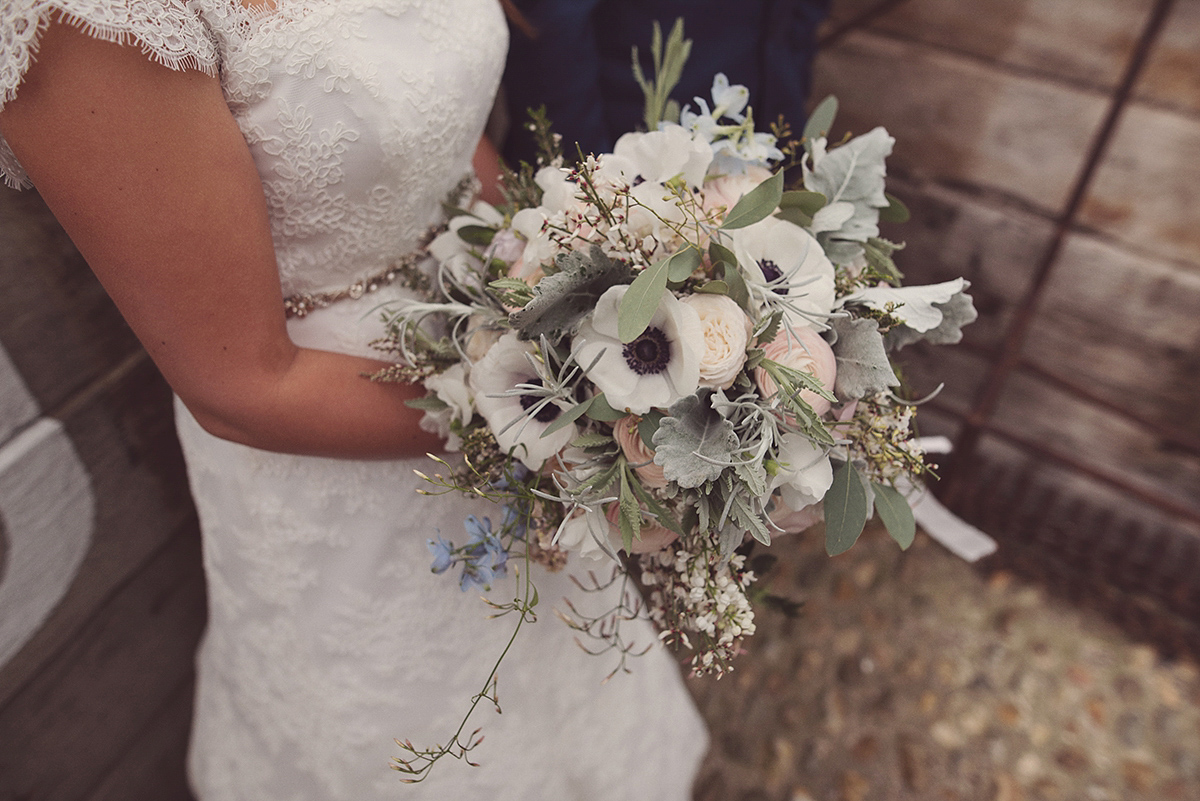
<point x="956" y="312"/>
<point x="693" y="442"/>
<point x="851" y="177"/>
<point x="862" y="363"/>
<point x="561" y="300"/>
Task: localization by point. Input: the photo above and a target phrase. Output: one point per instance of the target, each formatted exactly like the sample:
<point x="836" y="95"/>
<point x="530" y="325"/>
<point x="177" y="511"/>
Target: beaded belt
<point x="299" y="305"/>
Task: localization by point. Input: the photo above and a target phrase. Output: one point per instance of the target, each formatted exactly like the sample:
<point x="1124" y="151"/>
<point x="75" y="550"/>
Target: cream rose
<point x="726" y="334"/>
<point x="801" y="349"/>
<point x="625" y="432"/>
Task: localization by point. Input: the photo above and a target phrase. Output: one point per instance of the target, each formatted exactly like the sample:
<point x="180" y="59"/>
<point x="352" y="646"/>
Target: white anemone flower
<point x="660" y="156"/>
<point x="785" y="267"/>
<point x="805" y="472"/>
<point x="658" y="368"/>
<point x="518" y="419"/>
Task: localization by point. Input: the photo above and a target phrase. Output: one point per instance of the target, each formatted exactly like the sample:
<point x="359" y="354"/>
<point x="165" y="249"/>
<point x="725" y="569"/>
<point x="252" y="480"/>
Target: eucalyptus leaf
<point x="728" y="272"/>
<point x="713" y="288"/>
<point x="896" y="514"/>
<point x="642" y="298"/>
<point x="693" y="442"/>
<point x="681" y="265"/>
<point x="820" y="122"/>
<point x="755" y="205"/>
<point x="561" y="300"/>
<point x="795" y="217"/>
<point x="845" y="509"/>
<point x="805" y="201"/>
<point x="862" y="363"/>
<point x="648" y="427"/>
<point x="896" y="211"/>
<point x="479" y="235"/>
<point x="601" y="411"/>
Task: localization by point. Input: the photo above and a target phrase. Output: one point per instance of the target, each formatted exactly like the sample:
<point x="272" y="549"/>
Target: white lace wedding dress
<point x="328" y="635"/>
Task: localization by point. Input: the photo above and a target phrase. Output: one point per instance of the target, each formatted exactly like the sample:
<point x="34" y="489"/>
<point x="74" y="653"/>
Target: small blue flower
<point x="443" y="554"/>
<point x="515" y="521"/>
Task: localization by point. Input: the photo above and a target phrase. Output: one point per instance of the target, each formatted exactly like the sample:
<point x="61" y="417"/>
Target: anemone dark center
<point x="772" y="273"/>
<point x="545" y="414"/>
<point x="649" y="354"/>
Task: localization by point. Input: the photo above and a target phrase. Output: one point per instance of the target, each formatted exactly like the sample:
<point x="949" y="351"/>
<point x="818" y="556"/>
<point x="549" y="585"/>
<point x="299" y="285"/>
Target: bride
<point x="211" y="160"/>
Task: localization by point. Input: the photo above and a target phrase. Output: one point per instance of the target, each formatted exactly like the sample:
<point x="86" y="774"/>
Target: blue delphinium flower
<point x="443" y="555"/>
<point x="485" y="555"/>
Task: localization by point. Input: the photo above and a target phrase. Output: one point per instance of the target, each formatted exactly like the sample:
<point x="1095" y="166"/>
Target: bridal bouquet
<point x="654" y="356"/>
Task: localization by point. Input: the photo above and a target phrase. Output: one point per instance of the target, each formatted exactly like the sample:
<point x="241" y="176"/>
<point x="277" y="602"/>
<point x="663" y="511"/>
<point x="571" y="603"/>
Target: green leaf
<point x="845" y="510"/>
<point x="795" y="217"/>
<point x="768" y="328"/>
<point x="601" y="411"/>
<point x="569" y="416"/>
<point x="712" y="288"/>
<point x="896" y="211"/>
<point x="630" y="517"/>
<point x="755" y="205"/>
<point x="725" y="259"/>
<point x="648" y="427"/>
<point x="430" y="403"/>
<point x="820" y="122"/>
<point x="806" y="202"/>
<point x="476" y="234"/>
<point x="895" y="513"/>
<point x="660" y="512"/>
<point x="862" y="362"/>
<point x="682" y="264"/>
<point x="592" y="441"/>
<point x="642" y="298"/>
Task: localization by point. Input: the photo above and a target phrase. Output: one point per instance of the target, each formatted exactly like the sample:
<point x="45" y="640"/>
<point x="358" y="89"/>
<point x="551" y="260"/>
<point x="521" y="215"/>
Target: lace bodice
<point x="404" y="84"/>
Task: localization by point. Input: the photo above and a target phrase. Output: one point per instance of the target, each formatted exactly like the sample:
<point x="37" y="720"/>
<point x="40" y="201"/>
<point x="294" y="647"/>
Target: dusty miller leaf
<point x="693" y="442"/>
<point x="561" y="300"/>
<point x="862" y="363"/>
<point x="854" y="173"/>
<point x="956" y="312"/>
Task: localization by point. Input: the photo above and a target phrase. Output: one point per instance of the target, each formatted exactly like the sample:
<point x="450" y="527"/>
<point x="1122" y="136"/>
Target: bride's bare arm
<point x="148" y="173"/>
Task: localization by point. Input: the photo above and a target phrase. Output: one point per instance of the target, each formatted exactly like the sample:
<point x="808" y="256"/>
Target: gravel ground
<point x="909" y="675"/>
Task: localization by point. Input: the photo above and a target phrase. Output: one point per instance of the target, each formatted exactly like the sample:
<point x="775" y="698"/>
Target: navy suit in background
<point x="578" y="65"/>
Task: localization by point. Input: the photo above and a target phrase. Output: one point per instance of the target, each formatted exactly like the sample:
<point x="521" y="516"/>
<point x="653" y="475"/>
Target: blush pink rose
<point x="801" y="349"/>
<point x="625" y="432"/>
<point x="725" y="191"/>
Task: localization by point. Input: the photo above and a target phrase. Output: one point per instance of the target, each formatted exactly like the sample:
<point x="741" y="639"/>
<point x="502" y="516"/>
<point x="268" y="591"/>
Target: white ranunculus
<point x="726" y="330"/>
<point x="805" y="473"/>
<point x="508" y="416"/>
<point x="658" y="368"/>
<point x="784" y="267"/>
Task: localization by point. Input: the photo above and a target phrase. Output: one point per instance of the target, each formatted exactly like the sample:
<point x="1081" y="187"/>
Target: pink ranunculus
<point x="625" y="432"/>
<point x="800" y="348"/>
<point x="652" y="536"/>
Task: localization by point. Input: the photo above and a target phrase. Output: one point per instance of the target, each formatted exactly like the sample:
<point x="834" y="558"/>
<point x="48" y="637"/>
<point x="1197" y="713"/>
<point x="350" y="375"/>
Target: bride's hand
<point x="148" y="173"/>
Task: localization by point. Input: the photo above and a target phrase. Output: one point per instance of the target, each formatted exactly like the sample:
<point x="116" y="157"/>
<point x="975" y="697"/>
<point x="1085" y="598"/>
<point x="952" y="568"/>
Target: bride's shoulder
<point x="175" y="33"/>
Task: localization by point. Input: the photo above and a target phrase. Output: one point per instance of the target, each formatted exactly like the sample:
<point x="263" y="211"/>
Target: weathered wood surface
<point x="1172" y="76"/>
<point x="1147" y="191"/>
<point x="1083" y="43"/>
<point x="962" y="122"/>
<point x="79" y="716"/>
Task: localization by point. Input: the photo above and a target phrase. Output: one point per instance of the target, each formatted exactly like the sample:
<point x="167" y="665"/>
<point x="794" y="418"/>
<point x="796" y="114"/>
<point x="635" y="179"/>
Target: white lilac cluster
<point x="679" y="354"/>
<point x="705" y="595"/>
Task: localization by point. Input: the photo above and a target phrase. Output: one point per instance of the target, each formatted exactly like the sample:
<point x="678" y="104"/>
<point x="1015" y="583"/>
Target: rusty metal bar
<point x="976" y="421"/>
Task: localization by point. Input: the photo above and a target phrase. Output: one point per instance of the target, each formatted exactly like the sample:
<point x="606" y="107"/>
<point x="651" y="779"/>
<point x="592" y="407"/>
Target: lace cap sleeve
<point x="169" y="31"/>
